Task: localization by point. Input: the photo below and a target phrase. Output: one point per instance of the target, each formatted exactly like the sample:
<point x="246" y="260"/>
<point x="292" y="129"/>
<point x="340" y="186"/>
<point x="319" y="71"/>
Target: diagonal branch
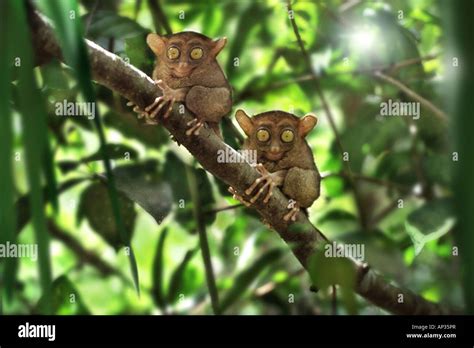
<point x="412" y="95"/>
<point x="112" y="72"/>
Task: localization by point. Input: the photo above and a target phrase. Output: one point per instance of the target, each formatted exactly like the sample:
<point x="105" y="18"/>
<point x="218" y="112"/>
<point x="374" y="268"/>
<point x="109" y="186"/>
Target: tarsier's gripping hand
<point x="269" y="180"/>
<point x="164" y="102"/>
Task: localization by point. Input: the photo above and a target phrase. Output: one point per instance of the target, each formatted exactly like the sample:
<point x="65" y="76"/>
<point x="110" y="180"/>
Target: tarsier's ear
<point x="306" y="124"/>
<point x="218" y="45"/>
<point x="244" y="121"/>
<point x="156" y="42"/>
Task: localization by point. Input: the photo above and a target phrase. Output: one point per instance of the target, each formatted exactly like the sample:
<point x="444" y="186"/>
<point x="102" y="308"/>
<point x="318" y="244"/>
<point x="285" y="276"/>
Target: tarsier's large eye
<point x="196" y="53"/>
<point x="173" y="52"/>
<point x="287" y="136"/>
<point x="263" y="135"/>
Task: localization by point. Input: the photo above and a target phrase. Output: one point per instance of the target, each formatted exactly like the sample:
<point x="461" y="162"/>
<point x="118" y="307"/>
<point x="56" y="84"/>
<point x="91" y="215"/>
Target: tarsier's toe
<point x="292" y="214"/>
<point x="170" y="108"/>
<point x="238" y="197"/>
<point x="196" y="125"/>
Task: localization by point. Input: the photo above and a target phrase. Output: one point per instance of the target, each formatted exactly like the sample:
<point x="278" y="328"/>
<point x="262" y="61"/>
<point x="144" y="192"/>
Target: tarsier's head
<point x="274" y="133"/>
<point x="183" y="52"/>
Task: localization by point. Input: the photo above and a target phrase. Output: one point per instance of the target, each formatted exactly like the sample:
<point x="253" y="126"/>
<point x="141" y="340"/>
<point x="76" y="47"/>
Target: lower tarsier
<point x="187" y="71"/>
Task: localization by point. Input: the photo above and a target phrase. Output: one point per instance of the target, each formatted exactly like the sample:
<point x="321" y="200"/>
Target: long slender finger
<point x="262" y="170"/>
<point x="270" y="192"/>
<point x="194" y="120"/>
<point x="259" y="192"/>
<point x="252" y="187"/>
<point x="194" y="129"/>
<point x="197" y="127"/>
<point x="168" y="111"/>
<point x="140" y="112"/>
<point x="161" y="85"/>
<point x="155" y="103"/>
<point x="158" y="109"/>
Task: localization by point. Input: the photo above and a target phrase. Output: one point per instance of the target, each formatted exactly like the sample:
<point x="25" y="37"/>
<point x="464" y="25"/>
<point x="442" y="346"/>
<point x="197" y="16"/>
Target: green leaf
<point x="250" y="19"/>
<point x="142" y="184"/>
<point x="66" y="299"/>
<point x="35" y="141"/>
<point x="432" y="221"/>
<point x="177" y="279"/>
<point x="337" y="215"/>
<point x="245" y="279"/>
<point x="157" y="275"/>
<point x="139" y="54"/>
<point x="108" y="24"/>
<point x="95" y="206"/>
<point x="326" y="271"/>
<point x="174" y="172"/>
<point x="129" y="125"/>
<point x="7" y="212"/>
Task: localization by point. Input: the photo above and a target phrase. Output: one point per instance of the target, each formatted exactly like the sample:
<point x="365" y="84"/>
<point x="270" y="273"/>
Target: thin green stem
<point x="203" y="242"/>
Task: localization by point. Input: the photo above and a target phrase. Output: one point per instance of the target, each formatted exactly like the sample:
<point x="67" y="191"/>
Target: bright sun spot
<point x="363" y="39"/>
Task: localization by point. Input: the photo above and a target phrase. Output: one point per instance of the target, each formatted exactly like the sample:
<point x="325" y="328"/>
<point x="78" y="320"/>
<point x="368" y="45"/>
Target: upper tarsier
<point x="284" y="158"/>
<point x="187" y="71"/>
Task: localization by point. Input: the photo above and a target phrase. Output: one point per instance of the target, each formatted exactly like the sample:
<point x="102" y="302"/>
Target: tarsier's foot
<point x="143" y="114"/>
<point x="238" y="197"/>
<point x="269" y="184"/>
<point x="196" y="125"/>
<point x="294" y="210"/>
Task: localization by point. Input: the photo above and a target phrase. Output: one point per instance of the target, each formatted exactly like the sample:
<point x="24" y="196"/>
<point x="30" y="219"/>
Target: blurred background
<point x="386" y="180"/>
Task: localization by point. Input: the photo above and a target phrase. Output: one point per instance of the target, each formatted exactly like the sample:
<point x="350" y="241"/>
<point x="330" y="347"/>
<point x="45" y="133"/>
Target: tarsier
<point x="284" y="158"/>
<point x="187" y="71"/>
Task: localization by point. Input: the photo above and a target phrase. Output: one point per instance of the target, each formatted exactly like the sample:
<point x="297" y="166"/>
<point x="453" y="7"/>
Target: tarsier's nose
<point x="275" y="149"/>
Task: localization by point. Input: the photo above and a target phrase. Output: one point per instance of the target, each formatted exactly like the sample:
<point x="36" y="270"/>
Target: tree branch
<point x="412" y="95"/>
<point x="304" y="240"/>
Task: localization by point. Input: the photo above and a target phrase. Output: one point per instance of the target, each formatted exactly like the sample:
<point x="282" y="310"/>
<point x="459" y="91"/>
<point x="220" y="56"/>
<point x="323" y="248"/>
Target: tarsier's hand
<point x="165" y="102"/>
<point x="270" y="181"/>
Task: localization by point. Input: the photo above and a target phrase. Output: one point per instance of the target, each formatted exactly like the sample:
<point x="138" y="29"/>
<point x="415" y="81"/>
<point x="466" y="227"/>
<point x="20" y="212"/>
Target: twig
<point x="218" y="210"/>
<point x="373" y="180"/>
<point x="84" y="255"/>
<point x="203" y="242"/>
<point x="159" y="17"/>
<point x="112" y="72"/>
<point x="412" y="95"/>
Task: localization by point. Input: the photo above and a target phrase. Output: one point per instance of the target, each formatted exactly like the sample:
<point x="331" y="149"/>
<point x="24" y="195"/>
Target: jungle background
<point x="387" y="181"/>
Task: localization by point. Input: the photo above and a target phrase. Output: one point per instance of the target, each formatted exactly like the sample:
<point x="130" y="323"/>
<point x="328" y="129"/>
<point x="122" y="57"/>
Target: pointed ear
<point x="306" y="124"/>
<point x="156" y="43"/>
<point x="218" y="45"/>
<point x="245" y="122"/>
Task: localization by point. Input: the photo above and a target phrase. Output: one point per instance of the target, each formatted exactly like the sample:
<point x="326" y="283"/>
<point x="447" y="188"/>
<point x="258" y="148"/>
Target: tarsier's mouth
<point x="182" y="72"/>
<point x="274" y="156"/>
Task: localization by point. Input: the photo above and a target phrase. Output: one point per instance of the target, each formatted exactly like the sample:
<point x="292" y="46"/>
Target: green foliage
<point x="95" y="199"/>
<point x="66" y="299"/>
<point x="125" y="178"/>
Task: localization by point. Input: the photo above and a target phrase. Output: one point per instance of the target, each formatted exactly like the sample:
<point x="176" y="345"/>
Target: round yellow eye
<point x="196" y="53"/>
<point x="263" y="135"/>
<point x="173" y="53"/>
<point x="287" y="136"/>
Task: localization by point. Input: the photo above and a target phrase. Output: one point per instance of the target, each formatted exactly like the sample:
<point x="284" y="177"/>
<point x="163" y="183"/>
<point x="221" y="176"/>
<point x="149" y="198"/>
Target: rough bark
<point x="303" y="238"/>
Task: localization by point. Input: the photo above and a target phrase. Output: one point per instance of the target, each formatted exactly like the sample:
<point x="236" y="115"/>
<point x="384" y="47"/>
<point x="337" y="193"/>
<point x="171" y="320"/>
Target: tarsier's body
<point x="187" y="71"/>
<point x="284" y="157"/>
